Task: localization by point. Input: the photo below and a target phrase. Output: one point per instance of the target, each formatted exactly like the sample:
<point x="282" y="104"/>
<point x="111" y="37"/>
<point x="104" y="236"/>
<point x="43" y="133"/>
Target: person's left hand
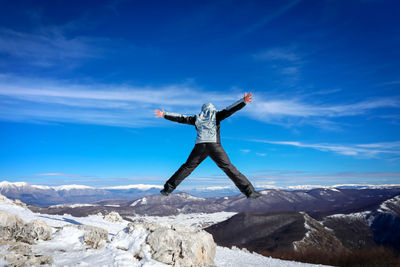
<point x="248" y="97"/>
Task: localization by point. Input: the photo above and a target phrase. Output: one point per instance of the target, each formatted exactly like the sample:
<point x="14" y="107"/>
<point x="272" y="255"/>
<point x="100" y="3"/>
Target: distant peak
<point x="135" y="186"/>
<point x="72" y="186"/>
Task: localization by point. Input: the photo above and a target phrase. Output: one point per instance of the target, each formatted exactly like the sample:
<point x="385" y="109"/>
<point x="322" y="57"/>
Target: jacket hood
<point x="207" y="107"/>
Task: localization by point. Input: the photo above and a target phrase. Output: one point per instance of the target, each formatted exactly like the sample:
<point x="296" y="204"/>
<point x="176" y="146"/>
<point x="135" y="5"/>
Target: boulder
<point x="175" y="245"/>
<point x="35" y="230"/>
<point x="20" y="248"/>
<point x="94" y="237"/>
<point x="113" y="217"/>
<point x="17" y="260"/>
<point x="10" y="225"/>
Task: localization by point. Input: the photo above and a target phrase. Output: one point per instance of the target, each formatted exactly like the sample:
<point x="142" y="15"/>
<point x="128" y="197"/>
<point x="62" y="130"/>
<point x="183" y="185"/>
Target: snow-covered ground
<point x="201" y="220"/>
<point x="68" y="249"/>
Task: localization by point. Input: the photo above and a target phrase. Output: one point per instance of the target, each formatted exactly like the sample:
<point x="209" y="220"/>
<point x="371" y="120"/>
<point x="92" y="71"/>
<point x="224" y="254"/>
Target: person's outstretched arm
<point x="225" y="113"/>
<point x="175" y="117"/>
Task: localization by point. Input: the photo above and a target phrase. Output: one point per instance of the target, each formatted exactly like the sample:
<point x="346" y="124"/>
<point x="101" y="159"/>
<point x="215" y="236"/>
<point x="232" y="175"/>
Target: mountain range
<point x="336" y="220"/>
<point x="43" y="196"/>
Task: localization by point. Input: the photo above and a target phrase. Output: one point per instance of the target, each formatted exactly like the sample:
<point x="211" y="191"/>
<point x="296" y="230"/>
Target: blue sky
<point x="79" y="81"/>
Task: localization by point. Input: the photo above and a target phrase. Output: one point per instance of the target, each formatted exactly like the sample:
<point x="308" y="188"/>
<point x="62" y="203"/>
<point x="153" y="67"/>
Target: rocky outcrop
<point x="182" y="246"/>
<point x="17" y="260"/>
<point x="14" y="228"/>
<point x="171" y="244"/>
<point x="94" y="237"/>
<point x="10" y="225"/>
<point x="318" y="238"/>
<point x="18" y="235"/>
<point x="113" y="217"/>
<point x="35" y="230"/>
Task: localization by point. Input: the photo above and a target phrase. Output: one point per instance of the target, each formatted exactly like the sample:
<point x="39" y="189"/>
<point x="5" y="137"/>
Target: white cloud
<point x="62" y="174"/>
<point x="289" y="111"/>
<point x="38" y="100"/>
<point x="115" y="105"/>
<point x="362" y="150"/>
<point x="48" y="47"/>
<point x="268" y="17"/>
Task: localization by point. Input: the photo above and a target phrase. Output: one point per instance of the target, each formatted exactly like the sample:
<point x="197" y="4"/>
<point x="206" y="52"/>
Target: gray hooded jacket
<point x="207" y="122"/>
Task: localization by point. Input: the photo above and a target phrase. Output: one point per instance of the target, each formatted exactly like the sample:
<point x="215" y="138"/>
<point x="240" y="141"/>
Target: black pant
<point x="199" y="153"/>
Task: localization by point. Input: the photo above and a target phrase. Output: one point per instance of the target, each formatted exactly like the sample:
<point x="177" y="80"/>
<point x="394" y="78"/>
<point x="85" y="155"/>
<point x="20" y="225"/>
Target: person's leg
<point x="219" y="156"/>
<point x="197" y="155"/>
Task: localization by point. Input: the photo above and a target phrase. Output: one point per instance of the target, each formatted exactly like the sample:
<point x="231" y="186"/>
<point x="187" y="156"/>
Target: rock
<point x="20" y="248"/>
<point x="17" y="260"/>
<point x="10" y="225"/>
<point x="179" y="245"/>
<point x="113" y="217"/>
<point x="3" y="198"/>
<point x="95" y="237"/>
<point x="13" y="228"/>
<point x="20" y="203"/>
<point x="35" y="230"/>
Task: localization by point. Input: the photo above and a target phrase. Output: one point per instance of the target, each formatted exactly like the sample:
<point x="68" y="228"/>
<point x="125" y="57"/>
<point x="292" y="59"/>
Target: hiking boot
<point x="253" y="194"/>
<point x="164" y="192"/>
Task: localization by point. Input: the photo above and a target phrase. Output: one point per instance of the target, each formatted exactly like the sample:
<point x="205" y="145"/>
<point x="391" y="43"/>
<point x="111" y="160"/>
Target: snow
<point x="135" y="186"/>
<point x="143" y="201"/>
<point x="9" y="184"/>
<point x="235" y="257"/>
<point x="135" y="202"/>
<point x="144" y="187"/>
<point x="67" y="245"/>
<point x="364" y="215"/>
<point x="385" y="207"/>
<point x="73" y="205"/>
<point x="213" y="188"/>
<point x="72" y="186"/>
<point x="44" y="187"/>
<point x="200" y="220"/>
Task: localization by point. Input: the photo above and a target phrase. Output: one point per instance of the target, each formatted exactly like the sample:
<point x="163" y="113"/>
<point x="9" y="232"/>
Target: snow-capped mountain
<point x="45" y="195"/>
<point x="42" y="195"/>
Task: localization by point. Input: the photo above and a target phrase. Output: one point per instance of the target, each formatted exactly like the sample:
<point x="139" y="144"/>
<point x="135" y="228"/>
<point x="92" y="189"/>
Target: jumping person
<point x="208" y="143"/>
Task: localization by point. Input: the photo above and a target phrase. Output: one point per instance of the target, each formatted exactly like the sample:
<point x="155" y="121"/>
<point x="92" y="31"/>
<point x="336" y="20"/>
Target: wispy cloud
<point x="287" y="61"/>
<point x="362" y="150"/>
<point x="38" y="100"/>
<point x="115" y="105"/>
<point x="276" y="13"/>
<point x="64" y="175"/>
<point x="297" y="111"/>
<point x="50" y="47"/>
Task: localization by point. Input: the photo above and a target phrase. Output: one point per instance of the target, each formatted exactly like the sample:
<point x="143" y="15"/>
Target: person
<point x="208" y="143"/>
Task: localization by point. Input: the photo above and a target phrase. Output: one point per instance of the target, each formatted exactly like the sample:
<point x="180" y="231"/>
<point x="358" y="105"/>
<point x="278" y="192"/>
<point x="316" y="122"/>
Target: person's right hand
<point x="159" y="113"/>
